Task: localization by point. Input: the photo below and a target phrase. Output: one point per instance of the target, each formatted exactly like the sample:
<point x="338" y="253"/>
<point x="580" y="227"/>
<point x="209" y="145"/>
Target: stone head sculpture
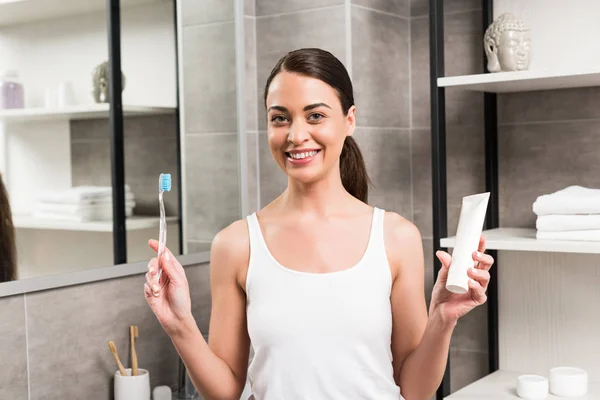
<point x="507" y="44"/>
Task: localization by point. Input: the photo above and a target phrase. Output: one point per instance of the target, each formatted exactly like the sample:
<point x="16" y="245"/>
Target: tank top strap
<point x="254" y="232"/>
<point x="376" y="240"/>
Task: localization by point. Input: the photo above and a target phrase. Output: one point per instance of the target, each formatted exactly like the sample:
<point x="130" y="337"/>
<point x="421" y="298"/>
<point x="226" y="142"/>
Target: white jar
<point x="11" y="90"/>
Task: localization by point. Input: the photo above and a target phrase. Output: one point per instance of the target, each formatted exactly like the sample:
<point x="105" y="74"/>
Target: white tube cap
<point x="568" y="381"/>
<point x="532" y="387"/>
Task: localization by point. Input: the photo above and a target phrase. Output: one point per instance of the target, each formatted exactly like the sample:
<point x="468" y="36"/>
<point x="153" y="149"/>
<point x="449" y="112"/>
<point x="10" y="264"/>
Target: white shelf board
<point x="523" y="81"/>
<point x="84" y="111"/>
<point x="502" y="385"/>
<point x="133" y="223"/>
<point x="22" y="11"/>
<point x="522" y="239"/>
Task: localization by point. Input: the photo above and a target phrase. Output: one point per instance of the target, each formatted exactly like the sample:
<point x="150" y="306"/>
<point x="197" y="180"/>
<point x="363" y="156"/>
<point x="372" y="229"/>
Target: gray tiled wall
<point x="211" y="144"/>
<point x="465" y="162"/>
<point x="547" y="141"/>
<point x="150" y="149"/>
<point x="58" y="339"/>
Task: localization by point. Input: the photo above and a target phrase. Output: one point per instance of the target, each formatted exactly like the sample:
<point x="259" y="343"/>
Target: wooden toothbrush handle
<point x="134" y="361"/>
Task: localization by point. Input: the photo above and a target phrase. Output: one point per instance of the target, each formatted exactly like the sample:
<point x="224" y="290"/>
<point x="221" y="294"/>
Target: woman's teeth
<point x="300" y="156"/>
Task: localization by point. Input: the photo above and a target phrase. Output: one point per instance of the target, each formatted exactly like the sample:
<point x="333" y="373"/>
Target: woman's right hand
<point x="169" y="298"/>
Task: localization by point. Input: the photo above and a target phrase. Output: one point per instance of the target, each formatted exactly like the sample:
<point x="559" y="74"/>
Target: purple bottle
<point x="11" y="90"/>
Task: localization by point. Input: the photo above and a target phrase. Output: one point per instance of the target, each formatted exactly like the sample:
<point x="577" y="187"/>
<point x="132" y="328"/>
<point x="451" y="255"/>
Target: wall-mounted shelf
<point x="523" y="81"/>
<point x="133" y="223"/>
<point x="521" y="239"/>
<point x="23" y="11"/>
<point x="501" y="385"/>
<point x="85" y="111"/>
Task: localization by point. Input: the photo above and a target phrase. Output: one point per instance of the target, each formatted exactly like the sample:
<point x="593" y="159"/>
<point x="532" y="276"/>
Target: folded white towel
<point x="591" y="235"/>
<point x="83" y="195"/>
<point x="571" y="200"/>
<point x="557" y="223"/>
<point x="78" y="209"/>
<point x="94" y="216"/>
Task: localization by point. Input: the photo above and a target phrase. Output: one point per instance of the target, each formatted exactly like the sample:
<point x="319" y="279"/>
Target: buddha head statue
<point x="507" y="44"/>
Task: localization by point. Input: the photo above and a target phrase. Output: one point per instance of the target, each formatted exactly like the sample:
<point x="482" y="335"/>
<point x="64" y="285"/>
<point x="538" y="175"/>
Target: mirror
<point x="55" y="133"/>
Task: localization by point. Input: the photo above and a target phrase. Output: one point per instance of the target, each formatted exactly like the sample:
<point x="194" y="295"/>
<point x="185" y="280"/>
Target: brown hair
<point x="8" y="251"/>
<point x="323" y="65"/>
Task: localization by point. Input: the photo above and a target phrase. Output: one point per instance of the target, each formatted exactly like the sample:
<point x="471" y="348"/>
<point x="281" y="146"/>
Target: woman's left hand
<point x="451" y="306"/>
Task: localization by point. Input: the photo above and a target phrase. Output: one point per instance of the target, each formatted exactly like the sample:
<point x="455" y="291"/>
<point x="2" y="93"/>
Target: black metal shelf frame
<point x="438" y="169"/>
<point x="117" y="149"/>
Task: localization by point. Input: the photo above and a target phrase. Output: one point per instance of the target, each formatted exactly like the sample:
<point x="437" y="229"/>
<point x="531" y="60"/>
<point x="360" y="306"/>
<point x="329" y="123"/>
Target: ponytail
<point x="353" y="170"/>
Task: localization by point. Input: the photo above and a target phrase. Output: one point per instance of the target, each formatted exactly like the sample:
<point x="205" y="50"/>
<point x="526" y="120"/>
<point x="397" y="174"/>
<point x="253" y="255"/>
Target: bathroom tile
<point x="281" y="34"/>
<point x="198" y="277"/>
<point x="68" y="348"/>
<point x="253" y="173"/>
<point x="550" y="105"/>
<point x="250" y="72"/>
<point x="539" y="159"/>
<point x="429" y="278"/>
<point x="465" y="172"/>
<point x="13" y="378"/>
<point x="250" y="7"/>
<point x="387" y="157"/>
<point x="397" y="7"/>
<point x="471" y="331"/>
<point x="466" y="368"/>
<point x="380" y="68"/>
<point x="421" y="180"/>
<point x="273" y="181"/>
<point x="198" y="246"/>
<point x="212" y="184"/>
<point x="420" y="8"/>
<point x="196" y="12"/>
<point x="269" y="7"/>
<point x="150" y="148"/>
<point x="463" y="55"/>
<point x="210" y="81"/>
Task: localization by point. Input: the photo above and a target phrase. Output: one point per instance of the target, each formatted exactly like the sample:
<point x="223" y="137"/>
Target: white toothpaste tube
<point x="470" y="227"/>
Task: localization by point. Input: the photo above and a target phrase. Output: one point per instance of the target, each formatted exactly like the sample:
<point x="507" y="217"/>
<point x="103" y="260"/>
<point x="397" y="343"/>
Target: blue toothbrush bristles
<point x="164" y="183"/>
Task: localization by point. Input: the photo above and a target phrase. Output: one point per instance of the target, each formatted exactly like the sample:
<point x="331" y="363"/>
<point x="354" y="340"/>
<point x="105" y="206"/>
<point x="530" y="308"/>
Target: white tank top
<point x="320" y="336"/>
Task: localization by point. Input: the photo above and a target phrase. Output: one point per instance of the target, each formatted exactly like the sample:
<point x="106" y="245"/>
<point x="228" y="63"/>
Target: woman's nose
<point x="298" y="134"/>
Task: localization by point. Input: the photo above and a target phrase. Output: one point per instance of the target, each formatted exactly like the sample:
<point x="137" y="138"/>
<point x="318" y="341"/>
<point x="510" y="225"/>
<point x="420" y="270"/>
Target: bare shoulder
<point x="403" y="244"/>
<point x="230" y="250"/>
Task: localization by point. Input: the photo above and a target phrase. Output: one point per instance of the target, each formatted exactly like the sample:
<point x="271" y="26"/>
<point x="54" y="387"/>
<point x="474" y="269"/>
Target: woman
<point x="329" y="290"/>
<point x="8" y="251"/>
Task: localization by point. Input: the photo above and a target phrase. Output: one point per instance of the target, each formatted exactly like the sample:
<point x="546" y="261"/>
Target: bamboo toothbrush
<point x="113" y="349"/>
<point x="134" y="333"/>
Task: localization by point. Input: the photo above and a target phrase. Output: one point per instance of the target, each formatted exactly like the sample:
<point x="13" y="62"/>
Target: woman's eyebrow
<point x="316" y="105"/>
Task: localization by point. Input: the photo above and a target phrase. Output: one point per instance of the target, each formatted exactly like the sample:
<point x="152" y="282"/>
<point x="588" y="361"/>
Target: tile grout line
<point x="258" y="95"/>
<point x="382" y="12"/>
<point x="449" y="13"/>
<point x="410" y="116"/>
<point x="27" y="347"/>
<point x="557" y="121"/>
<point x="288" y="13"/>
<point x="348" y="33"/>
<point x="211" y="23"/>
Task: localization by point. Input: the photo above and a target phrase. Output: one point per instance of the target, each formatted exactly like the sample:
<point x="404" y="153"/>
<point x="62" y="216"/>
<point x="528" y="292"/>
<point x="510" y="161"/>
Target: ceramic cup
<point x="132" y="387"/>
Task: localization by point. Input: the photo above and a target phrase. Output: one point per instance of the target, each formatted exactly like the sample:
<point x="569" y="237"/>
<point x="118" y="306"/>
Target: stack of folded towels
<point x="81" y="204"/>
<point x="572" y="213"/>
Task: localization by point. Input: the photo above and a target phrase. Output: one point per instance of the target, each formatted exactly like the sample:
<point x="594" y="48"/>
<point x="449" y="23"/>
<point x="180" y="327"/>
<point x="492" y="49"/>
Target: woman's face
<point x="306" y="126"/>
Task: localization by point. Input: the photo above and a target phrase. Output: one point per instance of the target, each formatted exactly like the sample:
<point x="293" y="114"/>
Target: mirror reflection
<point x="55" y="137"/>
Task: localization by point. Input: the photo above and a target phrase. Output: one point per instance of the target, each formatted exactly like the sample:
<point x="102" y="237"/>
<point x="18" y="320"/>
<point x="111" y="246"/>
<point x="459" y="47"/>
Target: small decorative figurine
<point x="507" y="44"/>
<point x="100" y="83"/>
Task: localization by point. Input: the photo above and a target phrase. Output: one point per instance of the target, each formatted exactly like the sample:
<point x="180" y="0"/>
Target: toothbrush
<point x="164" y="185"/>
<point x="133" y="333"/>
<point x="113" y="350"/>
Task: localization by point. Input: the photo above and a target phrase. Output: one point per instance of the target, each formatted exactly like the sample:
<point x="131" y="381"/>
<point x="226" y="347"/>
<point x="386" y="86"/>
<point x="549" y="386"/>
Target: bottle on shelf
<point x="11" y="90"/>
